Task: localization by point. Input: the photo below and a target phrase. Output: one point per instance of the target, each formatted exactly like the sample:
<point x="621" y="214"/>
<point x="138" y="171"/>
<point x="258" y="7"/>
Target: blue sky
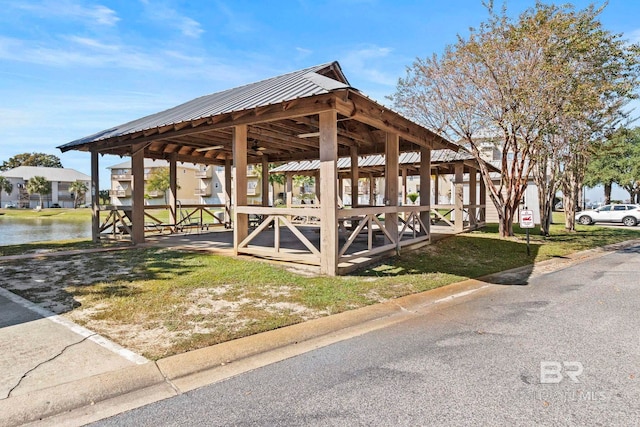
<point x="69" y="68"/>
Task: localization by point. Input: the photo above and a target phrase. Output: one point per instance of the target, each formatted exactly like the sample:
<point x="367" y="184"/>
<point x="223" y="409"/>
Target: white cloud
<point x="95" y="14"/>
<point x="13" y="118"/>
<point x="81" y="52"/>
<point x="171" y="18"/>
<point x="303" y="53"/>
<point x="368" y="63"/>
<point x="235" y="22"/>
<point x="93" y="43"/>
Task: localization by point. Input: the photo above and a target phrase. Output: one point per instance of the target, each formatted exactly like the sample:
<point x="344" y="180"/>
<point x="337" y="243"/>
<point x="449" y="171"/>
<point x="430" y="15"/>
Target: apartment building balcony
<point x="204" y="173"/>
<point x="203" y="192"/>
<point x="120" y="193"/>
<point x="121" y="177"/>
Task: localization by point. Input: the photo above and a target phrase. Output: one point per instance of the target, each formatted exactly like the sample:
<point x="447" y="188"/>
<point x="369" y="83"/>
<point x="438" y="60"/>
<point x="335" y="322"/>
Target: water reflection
<point x="14" y="231"/>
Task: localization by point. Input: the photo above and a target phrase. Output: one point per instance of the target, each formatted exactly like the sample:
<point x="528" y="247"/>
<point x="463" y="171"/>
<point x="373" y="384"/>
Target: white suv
<point x="624" y="213"/>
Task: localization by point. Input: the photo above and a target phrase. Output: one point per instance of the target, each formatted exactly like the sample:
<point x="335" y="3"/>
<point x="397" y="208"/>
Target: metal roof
<point x="317" y="80"/>
<point x="437" y="156"/>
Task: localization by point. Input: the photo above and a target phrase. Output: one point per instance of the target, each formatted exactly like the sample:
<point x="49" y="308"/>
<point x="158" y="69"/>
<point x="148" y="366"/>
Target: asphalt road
<point x="562" y="350"/>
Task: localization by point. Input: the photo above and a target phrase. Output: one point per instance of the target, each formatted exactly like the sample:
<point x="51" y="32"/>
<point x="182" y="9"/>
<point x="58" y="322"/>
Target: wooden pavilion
<point x="310" y="114"/>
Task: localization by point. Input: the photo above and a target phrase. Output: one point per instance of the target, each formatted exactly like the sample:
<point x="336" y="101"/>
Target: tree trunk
<point x="544" y="176"/>
<point x="607" y="192"/>
<point x="546" y="211"/>
<point x="570" y="197"/>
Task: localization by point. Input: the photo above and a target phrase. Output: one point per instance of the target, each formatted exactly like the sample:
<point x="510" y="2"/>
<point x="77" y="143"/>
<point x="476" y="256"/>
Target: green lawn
<point x="80" y="214"/>
<point x="192" y="300"/>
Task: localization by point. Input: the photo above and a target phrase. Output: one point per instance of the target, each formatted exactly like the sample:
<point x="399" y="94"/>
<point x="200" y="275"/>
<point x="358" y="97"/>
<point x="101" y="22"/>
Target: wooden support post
<point x="425" y="188"/>
<point x="403" y="190"/>
<point x="355" y="172"/>
<point x="372" y="190"/>
<point x="265" y="180"/>
<point x="95" y="197"/>
<point x="436" y="187"/>
<point x="318" y="187"/>
<point x="240" y="221"/>
<point x="289" y="189"/>
<point x="228" y="172"/>
<point x="173" y="190"/>
<point x="137" y="216"/>
<point x="473" y="189"/>
<point x="340" y="191"/>
<point x="483" y="200"/>
<point x="328" y="180"/>
<point x="458" y="197"/>
<point x="391" y="172"/>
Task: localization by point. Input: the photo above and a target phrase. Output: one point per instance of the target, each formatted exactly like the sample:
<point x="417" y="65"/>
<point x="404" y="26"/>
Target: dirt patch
<point x="130" y="301"/>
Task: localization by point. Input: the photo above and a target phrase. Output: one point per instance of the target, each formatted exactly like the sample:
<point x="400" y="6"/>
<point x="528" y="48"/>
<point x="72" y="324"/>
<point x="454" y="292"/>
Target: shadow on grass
<point x="32" y="248"/>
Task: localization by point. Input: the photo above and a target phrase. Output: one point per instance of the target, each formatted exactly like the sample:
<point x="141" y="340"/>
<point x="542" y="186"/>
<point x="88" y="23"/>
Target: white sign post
<point x="526" y="222"/>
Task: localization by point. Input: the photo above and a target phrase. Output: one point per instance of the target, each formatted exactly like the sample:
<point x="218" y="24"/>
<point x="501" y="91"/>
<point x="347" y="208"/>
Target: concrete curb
<point x="180" y="373"/>
<point x="47" y="402"/>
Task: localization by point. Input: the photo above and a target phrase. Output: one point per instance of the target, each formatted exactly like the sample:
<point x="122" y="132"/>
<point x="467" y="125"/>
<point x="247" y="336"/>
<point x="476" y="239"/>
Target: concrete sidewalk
<point x="40" y="350"/>
<point x="57" y="373"/>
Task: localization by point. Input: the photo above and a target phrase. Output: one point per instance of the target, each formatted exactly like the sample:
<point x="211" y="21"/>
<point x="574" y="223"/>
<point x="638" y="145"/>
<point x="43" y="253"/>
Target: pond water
<point x="15" y="231"/>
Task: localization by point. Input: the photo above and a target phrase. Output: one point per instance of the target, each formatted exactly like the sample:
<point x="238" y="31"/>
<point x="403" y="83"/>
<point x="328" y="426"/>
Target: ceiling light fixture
<point x="309" y="135"/>
<point x="215" y="147"/>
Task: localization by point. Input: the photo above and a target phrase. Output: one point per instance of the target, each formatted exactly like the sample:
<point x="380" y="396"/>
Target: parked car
<point x="10" y="205"/>
<point x="616" y="213"/>
<point x="56" y="206"/>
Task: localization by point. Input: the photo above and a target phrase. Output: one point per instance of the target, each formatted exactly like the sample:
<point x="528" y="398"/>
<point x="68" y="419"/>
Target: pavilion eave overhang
<point x="278" y="126"/>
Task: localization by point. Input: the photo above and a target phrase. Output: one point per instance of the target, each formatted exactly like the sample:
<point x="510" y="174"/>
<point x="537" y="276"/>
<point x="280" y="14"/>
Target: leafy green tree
<point x="628" y="164"/>
<point x="6" y="186"/>
<point x="40" y="186"/>
<point x="79" y="189"/>
<point x="31" y="159"/>
<point x="303" y="181"/>
<point x="159" y="180"/>
<point x="104" y="196"/>
<point x="608" y="160"/>
<point x="553" y="75"/>
<point x="274" y="178"/>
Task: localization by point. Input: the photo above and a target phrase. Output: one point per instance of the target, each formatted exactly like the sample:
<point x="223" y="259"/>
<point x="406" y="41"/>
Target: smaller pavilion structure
<point x="464" y="213"/>
<point x="311" y="114"/>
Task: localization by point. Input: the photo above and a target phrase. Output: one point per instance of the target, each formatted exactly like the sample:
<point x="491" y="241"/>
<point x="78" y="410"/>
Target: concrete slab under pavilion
<point x="310" y="114"/>
<point x="220" y="241"/>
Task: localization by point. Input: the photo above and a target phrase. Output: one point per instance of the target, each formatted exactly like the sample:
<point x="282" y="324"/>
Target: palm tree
<point x="6" y="186"/>
<point x="40" y="186"/>
<point x="79" y="189"/>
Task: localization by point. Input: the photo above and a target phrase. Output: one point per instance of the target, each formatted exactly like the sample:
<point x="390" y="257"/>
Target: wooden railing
<point x="118" y="223"/>
<point x="372" y="222"/>
<point x="277" y="219"/>
<point x="473" y="216"/>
